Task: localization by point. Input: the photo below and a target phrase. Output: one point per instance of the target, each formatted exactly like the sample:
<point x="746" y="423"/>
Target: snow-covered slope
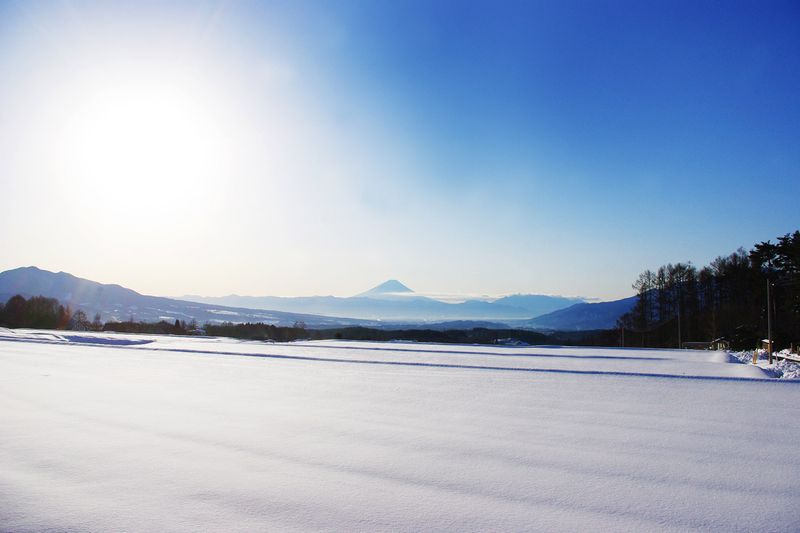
<point x="148" y="433"/>
<point x="389" y="288"/>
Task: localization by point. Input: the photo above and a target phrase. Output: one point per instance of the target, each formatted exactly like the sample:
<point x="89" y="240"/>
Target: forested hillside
<point x="728" y="298"/>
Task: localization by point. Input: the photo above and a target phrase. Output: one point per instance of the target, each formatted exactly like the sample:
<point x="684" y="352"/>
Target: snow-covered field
<point x="146" y="433"/>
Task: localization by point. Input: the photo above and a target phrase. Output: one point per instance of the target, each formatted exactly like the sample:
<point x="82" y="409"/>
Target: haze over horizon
<point x="297" y="149"/>
<point x="389" y="287"/>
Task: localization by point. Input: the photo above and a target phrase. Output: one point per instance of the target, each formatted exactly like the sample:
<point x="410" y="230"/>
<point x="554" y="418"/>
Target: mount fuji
<point x="394" y="301"/>
<point x="390" y="302"/>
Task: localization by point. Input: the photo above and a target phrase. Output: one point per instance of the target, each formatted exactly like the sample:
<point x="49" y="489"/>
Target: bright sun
<point x="149" y="140"/>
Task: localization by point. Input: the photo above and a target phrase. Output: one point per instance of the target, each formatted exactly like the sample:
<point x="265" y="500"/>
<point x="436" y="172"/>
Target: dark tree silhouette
<point x="726" y="298"/>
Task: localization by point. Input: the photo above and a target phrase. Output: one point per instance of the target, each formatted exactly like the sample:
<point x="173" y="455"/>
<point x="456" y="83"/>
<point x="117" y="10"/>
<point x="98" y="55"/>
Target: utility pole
<point x="679" y="323"/>
<point x="769" y="324"/>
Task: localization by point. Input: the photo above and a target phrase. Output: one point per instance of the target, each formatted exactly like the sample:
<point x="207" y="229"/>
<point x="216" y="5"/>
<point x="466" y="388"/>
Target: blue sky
<point x="465" y="148"/>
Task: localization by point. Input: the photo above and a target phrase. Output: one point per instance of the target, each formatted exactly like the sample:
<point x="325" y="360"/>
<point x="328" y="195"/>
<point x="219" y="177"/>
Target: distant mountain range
<point x="115" y="302"/>
<point x="391" y="300"/>
<point x="388" y="304"/>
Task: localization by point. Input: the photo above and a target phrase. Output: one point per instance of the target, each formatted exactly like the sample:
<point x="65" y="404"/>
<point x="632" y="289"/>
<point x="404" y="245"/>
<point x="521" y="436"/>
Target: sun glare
<point x="148" y="140"/>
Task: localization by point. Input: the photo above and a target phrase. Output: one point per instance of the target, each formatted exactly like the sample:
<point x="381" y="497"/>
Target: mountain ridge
<point x="386" y="306"/>
<point x="583" y="316"/>
<point x="393" y="300"/>
<point x="115" y="302"/>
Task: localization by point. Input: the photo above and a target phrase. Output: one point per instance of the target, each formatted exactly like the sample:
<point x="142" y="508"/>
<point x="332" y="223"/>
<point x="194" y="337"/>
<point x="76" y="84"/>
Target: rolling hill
<point x="582" y="316"/>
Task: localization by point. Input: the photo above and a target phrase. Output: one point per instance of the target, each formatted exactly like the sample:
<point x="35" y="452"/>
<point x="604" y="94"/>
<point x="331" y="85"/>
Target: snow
<point x="782" y="369"/>
<point x="98" y="433"/>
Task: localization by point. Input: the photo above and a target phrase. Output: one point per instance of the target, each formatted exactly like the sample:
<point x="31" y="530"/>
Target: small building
<point x="721" y="344"/>
<point x="717" y="344"/>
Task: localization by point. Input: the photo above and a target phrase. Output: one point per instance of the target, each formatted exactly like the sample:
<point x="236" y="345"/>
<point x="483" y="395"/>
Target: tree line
<point x="264" y="332"/>
<point x="725" y="299"/>
<point x="162" y="327"/>
<point x="40" y="312"/>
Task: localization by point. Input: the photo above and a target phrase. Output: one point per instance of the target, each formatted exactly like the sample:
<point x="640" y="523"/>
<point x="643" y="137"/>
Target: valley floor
<point x="104" y="432"/>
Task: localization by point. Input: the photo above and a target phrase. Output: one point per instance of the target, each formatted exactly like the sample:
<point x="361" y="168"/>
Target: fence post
<point x="769" y="325"/>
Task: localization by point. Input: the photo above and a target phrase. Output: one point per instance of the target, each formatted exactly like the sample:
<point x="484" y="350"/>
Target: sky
<point x="312" y="148"/>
